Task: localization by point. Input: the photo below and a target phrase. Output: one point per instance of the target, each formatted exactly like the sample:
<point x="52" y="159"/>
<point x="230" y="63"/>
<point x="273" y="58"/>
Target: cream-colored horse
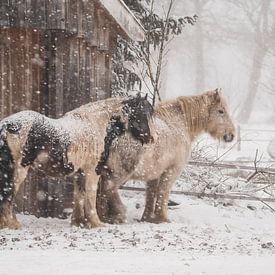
<point x="174" y="126"/>
<point x="70" y="145"/>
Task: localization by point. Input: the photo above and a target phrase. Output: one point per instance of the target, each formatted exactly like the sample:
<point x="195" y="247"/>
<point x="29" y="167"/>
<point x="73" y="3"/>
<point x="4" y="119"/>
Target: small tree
<point x="147" y="56"/>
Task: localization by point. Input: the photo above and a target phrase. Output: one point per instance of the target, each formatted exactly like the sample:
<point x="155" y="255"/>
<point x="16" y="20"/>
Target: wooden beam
<point x="125" y="18"/>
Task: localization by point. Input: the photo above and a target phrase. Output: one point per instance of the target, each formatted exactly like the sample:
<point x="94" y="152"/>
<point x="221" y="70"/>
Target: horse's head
<point x="219" y="124"/>
<point x="139" y="112"/>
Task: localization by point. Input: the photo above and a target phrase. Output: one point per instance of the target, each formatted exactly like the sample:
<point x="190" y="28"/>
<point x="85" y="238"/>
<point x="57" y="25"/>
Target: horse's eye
<point x="221" y="111"/>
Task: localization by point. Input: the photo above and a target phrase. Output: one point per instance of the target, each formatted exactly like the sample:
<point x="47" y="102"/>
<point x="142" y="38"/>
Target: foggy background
<point x="231" y="47"/>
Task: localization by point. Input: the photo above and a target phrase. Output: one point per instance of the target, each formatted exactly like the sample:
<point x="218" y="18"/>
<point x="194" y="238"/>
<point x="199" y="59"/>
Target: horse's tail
<point x="6" y="160"/>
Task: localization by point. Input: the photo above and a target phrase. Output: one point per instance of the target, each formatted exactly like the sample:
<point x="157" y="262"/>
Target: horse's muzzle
<point x="228" y="137"/>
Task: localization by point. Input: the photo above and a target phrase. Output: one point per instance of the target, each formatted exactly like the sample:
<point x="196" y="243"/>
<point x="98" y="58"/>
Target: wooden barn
<point x="55" y="55"/>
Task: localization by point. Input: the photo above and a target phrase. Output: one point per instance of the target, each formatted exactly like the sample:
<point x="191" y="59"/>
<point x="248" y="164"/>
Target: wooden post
<point x="239" y="139"/>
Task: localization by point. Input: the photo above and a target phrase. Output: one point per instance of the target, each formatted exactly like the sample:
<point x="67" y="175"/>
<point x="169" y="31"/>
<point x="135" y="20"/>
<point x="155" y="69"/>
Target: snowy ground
<point x="204" y="237"/>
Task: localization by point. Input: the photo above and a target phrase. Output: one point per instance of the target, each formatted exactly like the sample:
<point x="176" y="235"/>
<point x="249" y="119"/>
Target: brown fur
<point x="174" y="127"/>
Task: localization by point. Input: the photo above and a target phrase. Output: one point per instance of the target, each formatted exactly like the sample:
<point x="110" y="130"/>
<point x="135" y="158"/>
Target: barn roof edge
<point x="125" y="19"/>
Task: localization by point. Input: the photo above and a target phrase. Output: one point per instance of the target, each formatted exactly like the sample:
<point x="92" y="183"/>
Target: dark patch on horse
<point x="13" y="127"/>
<point x="6" y="169"/>
<point x="115" y="128"/>
<point x="43" y="137"/>
<point x="139" y="111"/>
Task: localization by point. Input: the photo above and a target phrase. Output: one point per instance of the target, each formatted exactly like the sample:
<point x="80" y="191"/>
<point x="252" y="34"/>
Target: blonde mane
<point x="192" y="110"/>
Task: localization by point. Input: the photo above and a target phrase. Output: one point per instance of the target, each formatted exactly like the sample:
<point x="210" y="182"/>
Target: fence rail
<point x="232" y="166"/>
<point x="208" y="195"/>
<point x="235" y="196"/>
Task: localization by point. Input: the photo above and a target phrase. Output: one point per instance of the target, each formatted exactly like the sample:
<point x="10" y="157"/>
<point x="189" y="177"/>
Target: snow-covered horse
<point x="174" y="127"/>
<point x="70" y="145"/>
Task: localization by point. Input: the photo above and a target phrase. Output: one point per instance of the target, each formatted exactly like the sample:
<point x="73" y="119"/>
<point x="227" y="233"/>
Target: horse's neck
<point x="195" y="113"/>
<point x="186" y="113"/>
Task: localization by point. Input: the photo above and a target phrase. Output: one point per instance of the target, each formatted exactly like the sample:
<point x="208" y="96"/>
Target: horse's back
<point x="96" y="109"/>
<point x="19" y="119"/>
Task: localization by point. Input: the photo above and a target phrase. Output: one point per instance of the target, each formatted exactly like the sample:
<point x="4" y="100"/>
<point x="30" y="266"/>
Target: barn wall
<point x="54" y="56"/>
<point x="82" y="18"/>
<point x="77" y="73"/>
<point x="21" y="70"/>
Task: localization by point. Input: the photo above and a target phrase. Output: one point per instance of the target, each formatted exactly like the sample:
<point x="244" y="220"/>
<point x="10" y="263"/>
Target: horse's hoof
<point x="81" y="223"/>
<point x="92" y="224"/>
<point x="9" y="224"/>
<point x="147" y="219"/>
<point x="161" y="220"/>
<point x="156" y="220"/>
<point x="119" y="219"/>
<point x="77" y="223"/>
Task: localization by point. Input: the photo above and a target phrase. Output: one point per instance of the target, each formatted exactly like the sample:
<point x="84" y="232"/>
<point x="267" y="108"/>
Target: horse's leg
<point x="91" y="218"/>
<point x="102" y="203"/>
<point x="79" y="196"/>
<point x="7" y="214"/>
<point x="151" y="189"/>
<point x="166" y="181"/>
<point x="117" y="210"/>
<point x="109" y="205"/>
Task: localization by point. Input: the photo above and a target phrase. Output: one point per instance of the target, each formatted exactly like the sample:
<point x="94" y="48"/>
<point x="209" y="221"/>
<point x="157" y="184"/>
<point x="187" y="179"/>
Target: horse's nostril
<point x="228" y="137"/>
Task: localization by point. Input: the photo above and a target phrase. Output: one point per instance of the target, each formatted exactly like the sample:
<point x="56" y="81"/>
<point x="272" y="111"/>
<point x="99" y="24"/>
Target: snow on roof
<point x="125" y="18"/>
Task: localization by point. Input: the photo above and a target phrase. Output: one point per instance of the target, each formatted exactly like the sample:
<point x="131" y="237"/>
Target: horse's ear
<point x="145" y="98"/>
<point x="138" y="95"/>
<point x="217" y="97"/>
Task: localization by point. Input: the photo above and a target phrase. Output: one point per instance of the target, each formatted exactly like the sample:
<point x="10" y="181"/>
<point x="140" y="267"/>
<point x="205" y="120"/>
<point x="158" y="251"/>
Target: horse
<point x="174" y="127"/>
<point x="70" y="145"/>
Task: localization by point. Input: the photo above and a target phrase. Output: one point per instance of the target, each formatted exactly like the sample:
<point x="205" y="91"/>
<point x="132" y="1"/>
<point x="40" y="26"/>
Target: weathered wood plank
<point x="17" y="79"/>
<point x="100" y="76"/>
<point x="17" y="70"/>
<point x="13" y="10"/>
<point x="103" y="30"/>
<point x="37" y="15"/>
<point x="3" y="79"/>
<point x="65" y="77"/>
<point x="93" y="71"/>
<point x="59" y="74"/>
<point x="4" y="13"/>
<point x="10" y="71"/>
<point x="88" y="22"/>
<point x="51" y="70"/>
<point x="37" y="67"/>
<point x="71" y="8"/>
<point x="108" y="75"/>
<point x="82" y="89"/>
<point x="56" y="14"/>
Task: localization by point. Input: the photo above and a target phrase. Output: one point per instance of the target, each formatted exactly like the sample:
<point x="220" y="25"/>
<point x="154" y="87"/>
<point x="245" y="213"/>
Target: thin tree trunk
<point x="261" y="29"/>
<point x="199" y="56"/>
<point x="253" y="86"/>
